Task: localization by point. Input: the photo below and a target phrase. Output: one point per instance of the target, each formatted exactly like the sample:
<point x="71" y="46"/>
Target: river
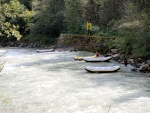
<point x="54" y="82"/>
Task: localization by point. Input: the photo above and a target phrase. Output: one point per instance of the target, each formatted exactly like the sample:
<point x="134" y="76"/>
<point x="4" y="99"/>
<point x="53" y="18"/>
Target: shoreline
<point x="131" y="68"/>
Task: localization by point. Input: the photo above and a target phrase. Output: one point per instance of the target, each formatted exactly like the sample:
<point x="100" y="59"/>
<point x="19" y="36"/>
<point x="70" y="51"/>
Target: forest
<point x="126" y="22"/>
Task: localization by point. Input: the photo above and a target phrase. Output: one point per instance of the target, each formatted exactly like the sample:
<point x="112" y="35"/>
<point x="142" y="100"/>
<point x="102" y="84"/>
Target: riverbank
<point x="105" y="47"/>
<point x="82" y="43"/>
<point x="136" y="64"/>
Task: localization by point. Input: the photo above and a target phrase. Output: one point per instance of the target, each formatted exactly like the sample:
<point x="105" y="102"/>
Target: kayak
<point x="44" y="50"/>
<point x="102" y="69"/>
<point x="98" y="59"/>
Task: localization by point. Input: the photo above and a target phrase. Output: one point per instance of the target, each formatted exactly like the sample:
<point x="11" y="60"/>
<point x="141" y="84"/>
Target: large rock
<point x="116" y="56"/>
<point x="114" y="51"/>
<point x="145" y="67"/>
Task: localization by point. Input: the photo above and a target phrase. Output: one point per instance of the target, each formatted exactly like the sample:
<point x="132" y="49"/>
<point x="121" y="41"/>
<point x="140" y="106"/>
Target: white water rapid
<point x="53" y="82"/>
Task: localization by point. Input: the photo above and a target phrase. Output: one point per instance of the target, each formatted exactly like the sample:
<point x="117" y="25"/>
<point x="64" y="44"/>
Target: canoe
<point x="44" y="50"/>
<point x="98" y="59"/>
<point x="102" y="69"/>
<point x="82" y="58"/>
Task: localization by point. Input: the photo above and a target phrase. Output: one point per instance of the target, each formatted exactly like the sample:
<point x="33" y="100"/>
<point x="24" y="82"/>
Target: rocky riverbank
<point x="139" y="64"/>
<point x="82" y="43"/>
<point x="79" y="43"/>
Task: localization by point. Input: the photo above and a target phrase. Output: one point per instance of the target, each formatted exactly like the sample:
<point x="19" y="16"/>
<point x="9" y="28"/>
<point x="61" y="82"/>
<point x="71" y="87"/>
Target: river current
<point x="53" y="82"/>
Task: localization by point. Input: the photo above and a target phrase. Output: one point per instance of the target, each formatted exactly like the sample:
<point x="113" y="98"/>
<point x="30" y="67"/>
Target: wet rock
<point x="121" y="56"/>
<point x="120" y="61"/>
<point x="147" y="74"/>
<point x="115" y="55"/>
<point x="134" y="69"/>
<point x="21" y="45"/>
<point x="131" y="61"/>
<point x="144" y="68"/>
<point x="114" y="51"/>
<point x="108" y="54"/>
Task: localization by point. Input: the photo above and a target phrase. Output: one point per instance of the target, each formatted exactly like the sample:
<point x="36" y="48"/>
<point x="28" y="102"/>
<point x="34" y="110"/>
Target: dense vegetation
<point x="127" y="22"/>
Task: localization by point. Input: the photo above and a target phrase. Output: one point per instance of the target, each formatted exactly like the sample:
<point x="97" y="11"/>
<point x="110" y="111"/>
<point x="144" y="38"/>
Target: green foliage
<point x="95" y="29"/>
<point x="92" y="11"/>
<point x="73" y="17"/>
<point x="142" y="47"/>
<point x="27" y="20"/>
<point x="9" y="13"/>
<point x="49" y="21"/>
<point x="26" y="3"/>
<point x="135" y="29"/>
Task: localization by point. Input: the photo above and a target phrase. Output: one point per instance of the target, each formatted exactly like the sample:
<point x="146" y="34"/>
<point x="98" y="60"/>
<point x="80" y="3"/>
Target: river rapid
<point x="53" y="82"/>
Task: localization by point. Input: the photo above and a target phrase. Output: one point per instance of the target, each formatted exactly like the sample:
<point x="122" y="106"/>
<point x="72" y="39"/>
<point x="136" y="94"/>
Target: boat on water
<point x="82" y="58"/>
<point x="44" y="50"/>
<point x="107" y="69"/>
<point x="97" y="59"/>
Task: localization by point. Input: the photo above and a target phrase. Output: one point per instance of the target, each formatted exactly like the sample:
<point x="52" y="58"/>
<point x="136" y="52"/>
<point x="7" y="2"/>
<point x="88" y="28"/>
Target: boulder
<point x="131" y="61"/>
<point x="115" y="55"/>
<point x="144" y="67"/>
<point x="134" y="69"/>
<point x="114" y="51"/>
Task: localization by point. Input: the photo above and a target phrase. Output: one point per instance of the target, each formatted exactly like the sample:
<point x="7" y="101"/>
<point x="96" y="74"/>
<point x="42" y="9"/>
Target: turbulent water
<point x="54" y="82"/>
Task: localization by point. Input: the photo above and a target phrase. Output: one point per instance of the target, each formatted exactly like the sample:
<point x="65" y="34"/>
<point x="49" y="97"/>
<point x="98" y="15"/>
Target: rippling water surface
<point x="54" y="82"/>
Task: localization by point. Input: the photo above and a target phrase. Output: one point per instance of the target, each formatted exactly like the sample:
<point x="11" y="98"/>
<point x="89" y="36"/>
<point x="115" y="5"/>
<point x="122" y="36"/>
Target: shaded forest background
<point x="126" y="22"/>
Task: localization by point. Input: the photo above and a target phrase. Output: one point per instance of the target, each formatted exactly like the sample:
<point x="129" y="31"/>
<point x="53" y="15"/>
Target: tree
<point x="26" y="3"/>
<point x="134" y="26"/>
<point x="49" y="20"/>
<point x="111" y="10"/>
<point x="74" y="18"/>
<point x="8" y="22"/>
<point x="92" y="10"/>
